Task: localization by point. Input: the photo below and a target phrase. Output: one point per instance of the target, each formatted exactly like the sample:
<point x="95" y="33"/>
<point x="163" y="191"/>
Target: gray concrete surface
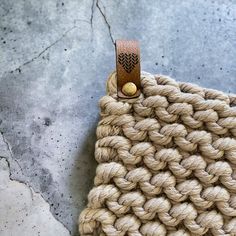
<point x="54" y="59"/>
<point x="24" y="212"/>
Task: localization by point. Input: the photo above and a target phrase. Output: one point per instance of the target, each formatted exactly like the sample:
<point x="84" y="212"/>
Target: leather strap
<point x="127" y="65"/>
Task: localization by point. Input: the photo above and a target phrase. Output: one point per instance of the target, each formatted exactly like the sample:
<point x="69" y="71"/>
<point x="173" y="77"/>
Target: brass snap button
<point x="129" y="89"/>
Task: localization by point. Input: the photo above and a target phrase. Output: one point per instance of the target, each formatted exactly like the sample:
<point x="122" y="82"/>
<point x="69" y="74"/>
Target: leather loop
<point x="127" y="66"/>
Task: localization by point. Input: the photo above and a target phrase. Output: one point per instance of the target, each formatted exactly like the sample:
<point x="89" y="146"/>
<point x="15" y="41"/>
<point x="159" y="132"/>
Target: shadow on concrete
<point x="83" y="173"/>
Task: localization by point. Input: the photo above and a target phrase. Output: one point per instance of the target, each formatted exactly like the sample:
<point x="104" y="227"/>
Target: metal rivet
<point x="129" y="89"/>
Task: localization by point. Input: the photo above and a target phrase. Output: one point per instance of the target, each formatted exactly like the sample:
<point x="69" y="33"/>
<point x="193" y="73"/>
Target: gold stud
<point x="129" y="89"/>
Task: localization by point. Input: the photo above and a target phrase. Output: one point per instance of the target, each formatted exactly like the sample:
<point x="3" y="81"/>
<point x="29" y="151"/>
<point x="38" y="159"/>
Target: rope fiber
<point x="166" y="162"/>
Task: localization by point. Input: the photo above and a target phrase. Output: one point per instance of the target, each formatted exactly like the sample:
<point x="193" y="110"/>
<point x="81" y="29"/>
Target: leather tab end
<point x="128" y="67"/>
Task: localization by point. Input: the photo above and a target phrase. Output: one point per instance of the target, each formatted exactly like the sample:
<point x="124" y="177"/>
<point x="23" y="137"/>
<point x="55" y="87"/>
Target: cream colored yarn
<point x="167" y="162"/>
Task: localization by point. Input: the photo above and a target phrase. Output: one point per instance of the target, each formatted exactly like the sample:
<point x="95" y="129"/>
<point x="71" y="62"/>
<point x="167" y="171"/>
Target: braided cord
<point x="167" y="162"/>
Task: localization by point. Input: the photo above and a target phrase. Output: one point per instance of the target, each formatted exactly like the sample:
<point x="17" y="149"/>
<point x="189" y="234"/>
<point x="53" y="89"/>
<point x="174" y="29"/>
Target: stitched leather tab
<point x="127" y="66"/>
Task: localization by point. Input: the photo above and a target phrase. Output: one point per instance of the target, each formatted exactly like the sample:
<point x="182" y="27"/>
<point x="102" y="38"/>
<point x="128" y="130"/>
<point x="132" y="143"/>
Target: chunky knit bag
<point x="167" y="162"/>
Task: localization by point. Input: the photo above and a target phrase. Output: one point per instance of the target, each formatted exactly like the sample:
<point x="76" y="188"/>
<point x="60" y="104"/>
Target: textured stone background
<point x="54" y="59"/>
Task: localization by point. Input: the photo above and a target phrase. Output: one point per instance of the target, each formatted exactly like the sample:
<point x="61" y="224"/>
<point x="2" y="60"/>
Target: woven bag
<point x="167" y="162"/>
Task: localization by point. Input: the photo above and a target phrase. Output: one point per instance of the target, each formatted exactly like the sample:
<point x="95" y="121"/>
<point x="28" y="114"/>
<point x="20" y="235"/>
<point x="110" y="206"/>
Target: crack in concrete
<point x="19" y="181"/>
<point x="22" y="182"/>
<point x="43" y="51"/>
<point x="92" y="13"/>
<point x="91" y="18"/>
<point x="8" y="145"/>
<point x="10" y="151"/>
<point x="32" y="191"/>
<point x="105" y="19"/>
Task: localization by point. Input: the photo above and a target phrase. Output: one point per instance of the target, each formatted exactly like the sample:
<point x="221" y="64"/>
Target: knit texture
<point x="167" y="162"/>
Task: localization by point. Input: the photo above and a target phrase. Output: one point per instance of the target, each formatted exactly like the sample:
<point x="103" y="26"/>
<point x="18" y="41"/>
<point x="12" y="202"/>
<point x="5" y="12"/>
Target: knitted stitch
<point x="167" y="162"/>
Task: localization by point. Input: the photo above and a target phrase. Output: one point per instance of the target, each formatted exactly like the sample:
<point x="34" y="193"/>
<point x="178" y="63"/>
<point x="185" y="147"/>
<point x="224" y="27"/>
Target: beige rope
<point x="167" y="162"/>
